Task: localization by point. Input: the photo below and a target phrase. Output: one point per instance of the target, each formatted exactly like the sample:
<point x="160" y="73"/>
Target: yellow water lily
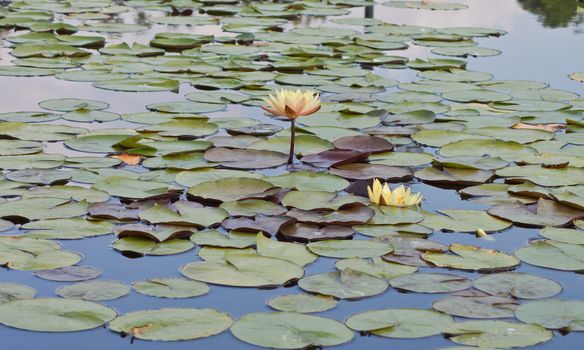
<point x="292" y="104"/>
<point x="399" y="197"/>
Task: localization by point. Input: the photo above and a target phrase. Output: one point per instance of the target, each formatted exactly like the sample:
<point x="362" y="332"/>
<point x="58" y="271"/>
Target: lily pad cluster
<point x="203" y="174"/>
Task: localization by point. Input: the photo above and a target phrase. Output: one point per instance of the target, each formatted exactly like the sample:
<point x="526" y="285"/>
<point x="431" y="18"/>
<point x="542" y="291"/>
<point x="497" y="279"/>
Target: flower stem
<point x="292" y="141"/>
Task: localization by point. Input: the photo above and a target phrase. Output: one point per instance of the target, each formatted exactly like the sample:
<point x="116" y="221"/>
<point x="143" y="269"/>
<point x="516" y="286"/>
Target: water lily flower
<point x="399" y="197"/>
<point x="292" y="104"/>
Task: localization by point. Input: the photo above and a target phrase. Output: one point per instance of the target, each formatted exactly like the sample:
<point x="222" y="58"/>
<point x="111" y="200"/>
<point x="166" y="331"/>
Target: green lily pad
<point x="465" y="221"/>
<point x="553" y="255"/>
<point x="171" y="324"/>
<point x="306" y="181"/>
<point x="431" y="283"/>
<point x="564" y="235"/>
<point x="290" y="330"/>
<point x="345" y="284"/>
<point x="476" y="307"/>
<point x="171" y="288"/>
<point x="72" y="104"/>
<point x="74" y="228"/>
<point x="518" y="285"/>
<point x="229" y="189"/>
<point x="471" y="258"/>
<point x="98" y="290"/>
<point x="12" y="291"/>
<point x="245" y="159"/>
<point x="293" y="252"/>
<point x="54" y="315"/>
<point x="376" y="267"/>
<point x="349" y="248"/>
<point x="566" y="315"/>
<point x="130" y="188"/>
<point x="139" y="85"/>
<point x="498" y="334"/>
<point x="144" y="246"/>
<point x="303" y="303"/>
<point x="244" y="270"/>
<point x="194" y="177"/>
<point x="400" y="323"/>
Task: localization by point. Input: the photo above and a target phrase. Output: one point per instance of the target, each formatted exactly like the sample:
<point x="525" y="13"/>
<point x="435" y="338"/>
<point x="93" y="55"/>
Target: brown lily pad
<point x="268" y="224"/>
<point x="157" y="233"/>
<point x="332" y="157"/>
<point x="364" y="143"/>
<point x="113" y="211"/>
<point x="544" y="213"/>
<point x="365" y="171"/>
<point x="69" y="274"/>
<point x="301" y="232"/>
<point x="454" y="177"/>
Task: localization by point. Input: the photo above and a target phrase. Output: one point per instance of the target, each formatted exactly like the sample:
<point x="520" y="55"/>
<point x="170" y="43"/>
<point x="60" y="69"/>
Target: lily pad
<point x="303" y="303"/>
<point x="349" y="248"/>
<point x="477" y="307"/>
<point x="12" y="291"/>
<point x="517" y="284"/>
<point x="244" y="270"/>
<point x="54" y="315"/>
<point x="431" y="283"/>
<point x="69" y="274"/>
<point x="400" y="323"/>
<point x="172" y="324"/>
<point x="98" y="290"/>
<point x="498" y="334"/>
<point x="553" y="255"/>
<point x="565" y="315"/>
<point x="171" y="288"/>
<point x="290" y="330"/>
<point x="345" y="284"/>
<point x="472" y="258"/>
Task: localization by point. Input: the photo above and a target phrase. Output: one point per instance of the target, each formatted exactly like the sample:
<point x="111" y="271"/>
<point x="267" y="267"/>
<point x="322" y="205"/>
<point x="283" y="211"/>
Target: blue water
<point x="531" y="51"/>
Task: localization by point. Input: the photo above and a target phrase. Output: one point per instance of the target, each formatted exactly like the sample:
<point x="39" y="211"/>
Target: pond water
<point x="544" y="43"/>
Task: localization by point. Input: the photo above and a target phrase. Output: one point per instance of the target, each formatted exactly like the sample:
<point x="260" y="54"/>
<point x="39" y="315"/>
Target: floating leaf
<point x="565" y="315"/>
<point x="431" y="283"/>
<point x="517" y="284"/>
<point x="13" y="291"/>
<point x="98" y="290"/>
<point x="498" y="334"/>
<point x="303" y="303"/>
<point x="171" y="324"/>
<point x="54" y="315"/>
<point x="400" y="323"/>
<point x="472" y="258"/>
<point x="553" y="255"/>
<point x="349" y="248"/>
<point x="69" y="274"/>
<point x="171" y="288"/>
<point x="476" y="307"/>
<point x="244" y="270"/>
<point x="290" y="330"/>
<point x="346" y="284"/>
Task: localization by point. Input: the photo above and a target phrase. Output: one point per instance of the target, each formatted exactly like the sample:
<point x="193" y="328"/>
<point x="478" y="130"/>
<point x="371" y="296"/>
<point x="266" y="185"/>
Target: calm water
<point x="544" y="44"/>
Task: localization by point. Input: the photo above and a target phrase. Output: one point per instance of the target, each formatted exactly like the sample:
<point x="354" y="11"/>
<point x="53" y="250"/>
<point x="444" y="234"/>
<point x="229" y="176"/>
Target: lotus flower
<point x="292" y="104"/>
<point x="399" y="197"/>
